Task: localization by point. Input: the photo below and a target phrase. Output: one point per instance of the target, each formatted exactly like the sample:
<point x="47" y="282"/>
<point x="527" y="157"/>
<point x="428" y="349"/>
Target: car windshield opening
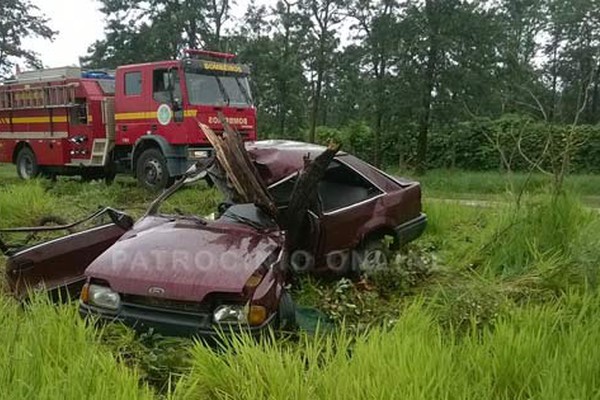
<point x="248" y="214"/>
<point x="208" y="89"/>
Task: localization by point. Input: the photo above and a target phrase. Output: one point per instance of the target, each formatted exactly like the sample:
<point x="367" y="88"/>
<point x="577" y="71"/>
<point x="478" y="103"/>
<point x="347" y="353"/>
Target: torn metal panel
<point x="59" y="264"/>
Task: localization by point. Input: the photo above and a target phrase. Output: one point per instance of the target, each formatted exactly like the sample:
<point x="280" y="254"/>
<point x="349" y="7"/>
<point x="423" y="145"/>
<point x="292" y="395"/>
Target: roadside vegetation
<point x="494" y="301"/>
<point x="48" y="352"/>
<point x="448" y="183"/>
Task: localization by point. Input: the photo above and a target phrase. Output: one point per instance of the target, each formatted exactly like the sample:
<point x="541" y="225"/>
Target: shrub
<point x="466" y="145"/>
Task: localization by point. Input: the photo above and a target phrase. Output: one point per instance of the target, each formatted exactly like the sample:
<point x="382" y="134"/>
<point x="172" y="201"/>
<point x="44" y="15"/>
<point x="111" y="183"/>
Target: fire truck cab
<point x="141" y="119"/>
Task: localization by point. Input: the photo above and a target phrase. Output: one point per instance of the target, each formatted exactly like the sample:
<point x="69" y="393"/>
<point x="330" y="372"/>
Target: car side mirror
<point x="176" y="105"/>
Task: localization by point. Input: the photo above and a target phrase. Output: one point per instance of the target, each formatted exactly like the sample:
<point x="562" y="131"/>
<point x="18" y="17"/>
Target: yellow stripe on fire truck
<point x="35" y="120"/>
<point x="148" y="115"/>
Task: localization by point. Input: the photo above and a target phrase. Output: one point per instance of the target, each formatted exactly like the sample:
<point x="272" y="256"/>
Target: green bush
<point x="467" y="145"/>
<point x="356" y="138"/>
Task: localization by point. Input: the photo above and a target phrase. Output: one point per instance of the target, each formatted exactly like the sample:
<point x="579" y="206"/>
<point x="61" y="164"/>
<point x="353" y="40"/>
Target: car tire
<point x="27" y="166"/>
<point x="286" y="313"/>
<point x="152" y="172"/>
<point x="373" y="255"/>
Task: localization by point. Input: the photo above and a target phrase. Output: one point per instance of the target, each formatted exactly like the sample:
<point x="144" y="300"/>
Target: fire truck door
<point x="133" y="117"/>
<point x="166" y="92"/>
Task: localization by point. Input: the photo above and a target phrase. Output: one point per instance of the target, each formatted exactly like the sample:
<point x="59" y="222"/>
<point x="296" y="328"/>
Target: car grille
<point x="174" y="305"/>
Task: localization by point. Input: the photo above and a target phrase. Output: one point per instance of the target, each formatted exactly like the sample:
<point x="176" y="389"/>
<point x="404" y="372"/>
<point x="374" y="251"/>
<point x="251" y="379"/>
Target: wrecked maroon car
<point x="357" y="206"/>
<point x="189" y="276"/>
<point x="185" y="275"/>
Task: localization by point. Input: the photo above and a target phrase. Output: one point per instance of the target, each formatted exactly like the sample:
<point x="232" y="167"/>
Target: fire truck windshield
<point x="205" y="89"/>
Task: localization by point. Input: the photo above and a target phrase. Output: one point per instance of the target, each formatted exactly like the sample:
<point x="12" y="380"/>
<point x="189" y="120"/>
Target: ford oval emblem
<point x="155" y="290"/>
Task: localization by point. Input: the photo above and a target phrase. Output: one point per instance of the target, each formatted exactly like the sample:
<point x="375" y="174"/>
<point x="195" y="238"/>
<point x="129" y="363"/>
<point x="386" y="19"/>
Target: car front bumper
<point x="171" y="323"/>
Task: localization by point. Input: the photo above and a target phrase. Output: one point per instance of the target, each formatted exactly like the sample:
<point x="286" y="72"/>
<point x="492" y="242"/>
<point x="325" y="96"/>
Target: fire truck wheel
<point x="109" y="178"/>
<point x="27" y="166"/>
<point x="152" y="172"/>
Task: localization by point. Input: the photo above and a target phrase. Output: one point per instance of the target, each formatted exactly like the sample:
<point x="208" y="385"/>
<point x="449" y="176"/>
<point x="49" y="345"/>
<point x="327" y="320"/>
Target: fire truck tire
<point x="109" y="178"/>
<point x="152" y="172"/>
<point x="27" y="166"/>
<point x="110" y="173"/>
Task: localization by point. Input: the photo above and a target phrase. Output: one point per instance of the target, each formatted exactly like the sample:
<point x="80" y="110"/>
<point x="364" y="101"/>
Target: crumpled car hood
<point x="183" y="259"/>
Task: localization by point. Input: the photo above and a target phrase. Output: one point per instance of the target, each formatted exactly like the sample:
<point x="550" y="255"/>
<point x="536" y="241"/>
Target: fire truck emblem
<point x="164" y="114"/>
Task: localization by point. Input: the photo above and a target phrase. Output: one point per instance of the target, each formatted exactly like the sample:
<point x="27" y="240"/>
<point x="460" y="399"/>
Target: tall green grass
<point x="48" y="352"/>
<point x="509" y="313"/>
<point x="552" y="236"/>
<point x="545" y="229"/>
<point x="545" y="352"/>
<point x="23" y="204"/>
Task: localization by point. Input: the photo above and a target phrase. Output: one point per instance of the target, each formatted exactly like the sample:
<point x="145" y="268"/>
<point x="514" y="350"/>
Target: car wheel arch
<point x="378" y="233"/>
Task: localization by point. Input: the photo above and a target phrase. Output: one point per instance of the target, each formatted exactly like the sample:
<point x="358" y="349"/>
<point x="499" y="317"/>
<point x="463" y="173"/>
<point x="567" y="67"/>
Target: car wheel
<point x="371" y="256"/>
<point x="286" y="313"/>
<point x="152" y="172"/>
<point x="27" y="166"/>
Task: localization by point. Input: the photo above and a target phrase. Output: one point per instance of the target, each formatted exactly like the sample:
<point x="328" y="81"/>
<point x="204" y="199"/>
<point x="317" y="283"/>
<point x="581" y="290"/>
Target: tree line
<point x="384" y="74"/>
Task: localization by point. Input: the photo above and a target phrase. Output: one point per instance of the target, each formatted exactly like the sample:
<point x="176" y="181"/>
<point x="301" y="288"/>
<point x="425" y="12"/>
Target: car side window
<point x="133" y="83"/>
<point x="343" y="187"/>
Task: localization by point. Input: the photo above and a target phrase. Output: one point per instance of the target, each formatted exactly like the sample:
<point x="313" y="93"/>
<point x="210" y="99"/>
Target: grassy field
<point x="493" y="186"/>
<point x="492" y="302"/>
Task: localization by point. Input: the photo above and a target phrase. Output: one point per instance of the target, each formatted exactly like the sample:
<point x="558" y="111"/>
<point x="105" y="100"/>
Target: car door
<point x="59" y="264"/>
<point x="348" y="203"/>
<point x="303" y="257"/>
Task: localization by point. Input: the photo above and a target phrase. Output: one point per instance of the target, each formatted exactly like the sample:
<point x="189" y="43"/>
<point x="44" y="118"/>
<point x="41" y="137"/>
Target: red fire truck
<point x="143" y="119"/>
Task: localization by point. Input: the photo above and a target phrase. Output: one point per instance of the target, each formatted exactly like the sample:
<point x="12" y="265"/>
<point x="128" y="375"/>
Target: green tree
<point x="323" y="17"/>
<point x="574" y="60"/>
<point x="149" y="30"/>
<point x="377" y="27"/>
<point x="20" y="19"/>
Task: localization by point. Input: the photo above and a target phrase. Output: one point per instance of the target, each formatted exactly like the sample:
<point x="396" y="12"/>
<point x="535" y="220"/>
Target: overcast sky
<point x="79" y="24"/>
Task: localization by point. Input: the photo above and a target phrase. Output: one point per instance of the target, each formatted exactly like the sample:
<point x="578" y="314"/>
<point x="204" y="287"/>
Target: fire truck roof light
<point x="208" y="53"/>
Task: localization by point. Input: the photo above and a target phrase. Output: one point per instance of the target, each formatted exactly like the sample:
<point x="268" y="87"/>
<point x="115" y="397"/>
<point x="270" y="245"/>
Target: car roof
<point x="278" y="159"/>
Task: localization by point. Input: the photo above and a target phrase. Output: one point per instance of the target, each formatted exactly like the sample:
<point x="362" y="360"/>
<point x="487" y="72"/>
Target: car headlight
<point x="236" y="314"/>
<point x="102" y="296"/>
<point x="230" y="314"/>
